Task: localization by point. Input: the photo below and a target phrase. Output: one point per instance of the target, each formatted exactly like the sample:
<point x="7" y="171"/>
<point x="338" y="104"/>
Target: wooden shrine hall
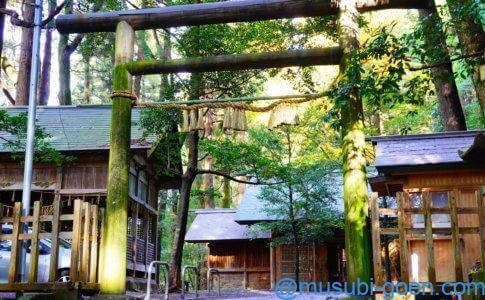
<point x="428" y="215"/>
<point x="81" y="134"/>
<point x="243" y="256"/>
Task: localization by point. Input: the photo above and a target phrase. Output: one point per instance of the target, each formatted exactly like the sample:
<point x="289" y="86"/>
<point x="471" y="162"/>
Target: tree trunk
<point x="183" y="209"/>
<point x="113" y="264"/>
<point x="3" y="5"/>
<point x="64" y="62"/>
<point x="226" y="197"/>
<point x="45" y="74"/>
<point x="450" y="108"/>
<point x="64" y="58"/>
<point x="25" y="60"/>
<point x="87" y="81"/>
<point x="472" y="41"/>
<point x="357" y="241"/>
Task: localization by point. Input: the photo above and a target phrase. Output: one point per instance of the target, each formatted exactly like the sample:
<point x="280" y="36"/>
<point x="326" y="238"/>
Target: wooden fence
<point x="83" y="228"/>
<point x="407" y="232"/>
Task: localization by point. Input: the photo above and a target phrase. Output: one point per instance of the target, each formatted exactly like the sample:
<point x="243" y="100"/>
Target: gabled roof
<point x="219" y="225"/>
<point x="75" y="128"/>
<point x="422" y="150"/>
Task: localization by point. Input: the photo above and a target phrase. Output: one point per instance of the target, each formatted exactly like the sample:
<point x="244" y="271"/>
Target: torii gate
<point x="113" y="264"/>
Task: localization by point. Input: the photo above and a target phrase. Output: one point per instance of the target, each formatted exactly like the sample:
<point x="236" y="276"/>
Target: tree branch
<point x="441" y="63"/>
<point x="15" y="17"/>
<point x="218" y="173"/>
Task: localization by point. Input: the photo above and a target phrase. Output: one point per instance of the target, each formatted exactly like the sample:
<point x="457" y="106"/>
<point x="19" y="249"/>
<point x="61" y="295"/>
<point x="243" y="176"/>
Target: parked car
<point x="45" y="249"/>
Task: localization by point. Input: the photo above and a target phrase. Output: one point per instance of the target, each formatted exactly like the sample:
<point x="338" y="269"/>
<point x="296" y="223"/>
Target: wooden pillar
<point x="376" y="239"/>
<point x="357" y="240"/>
<point x="133" y="229"/>
<point x="113" y="273"/>
<point x="428" y="236"/>
<point x="481" y="219"/>
<point x="272" y="266"/>
<point x="453" y="198"/>
<point x="403" y="253"/>
<point x="245" y="274"/>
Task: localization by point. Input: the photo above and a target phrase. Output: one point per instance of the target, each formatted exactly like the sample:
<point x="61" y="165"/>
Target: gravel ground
<point x="242" y="294"/>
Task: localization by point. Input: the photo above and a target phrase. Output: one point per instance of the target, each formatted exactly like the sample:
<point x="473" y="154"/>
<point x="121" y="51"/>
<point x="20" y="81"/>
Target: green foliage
<point x="16" y="126"/>
<point x="379" y="71"/>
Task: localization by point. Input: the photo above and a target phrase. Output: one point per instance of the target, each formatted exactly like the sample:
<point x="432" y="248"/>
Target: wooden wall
<point x="242" y="264"/>
<point x="465" y="187"/>
<point x="313" y="262"/>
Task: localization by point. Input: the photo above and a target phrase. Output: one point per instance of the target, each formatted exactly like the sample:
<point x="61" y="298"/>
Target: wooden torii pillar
<point x="112" y="276"/>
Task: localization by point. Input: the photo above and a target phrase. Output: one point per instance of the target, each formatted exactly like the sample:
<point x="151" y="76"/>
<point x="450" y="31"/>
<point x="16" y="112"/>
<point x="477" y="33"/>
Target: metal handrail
<point x="196" y="271"/>
<point x="167" y="281"/>
<point x="216" y="272"/>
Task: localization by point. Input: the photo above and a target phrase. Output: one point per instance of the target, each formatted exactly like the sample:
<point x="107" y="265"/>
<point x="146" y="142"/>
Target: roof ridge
<point x="449" y="134"/>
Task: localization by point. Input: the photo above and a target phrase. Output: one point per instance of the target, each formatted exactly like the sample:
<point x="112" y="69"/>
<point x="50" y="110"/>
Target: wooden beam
<point x="428" y="232"/>
<point x="265" y="60"/>
<point x="453" y="198"/>
<point x="216" y="12"/>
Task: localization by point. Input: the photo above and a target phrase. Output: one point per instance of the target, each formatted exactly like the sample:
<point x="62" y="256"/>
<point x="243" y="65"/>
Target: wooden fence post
<point x="12" y="269"/>
<point x="94" y="244"/>
<point x="76" y="240"/>
<point x="56" y="206"/>
<point x="85" y="242"/>
<point x="34" y="245"/>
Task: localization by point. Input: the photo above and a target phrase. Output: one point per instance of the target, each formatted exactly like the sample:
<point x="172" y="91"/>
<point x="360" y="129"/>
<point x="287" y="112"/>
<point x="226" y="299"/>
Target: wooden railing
<point x="84" y="234"/>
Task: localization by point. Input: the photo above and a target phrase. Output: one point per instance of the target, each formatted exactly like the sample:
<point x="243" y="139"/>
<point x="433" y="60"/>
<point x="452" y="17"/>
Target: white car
<point x="45" y="248"/>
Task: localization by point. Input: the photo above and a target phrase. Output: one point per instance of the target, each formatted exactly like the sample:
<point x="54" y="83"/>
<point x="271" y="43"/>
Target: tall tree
<point x="64" y="52"/>
<point x="451" y="112"/>
<point x="357" y="243"/>
<point x="25" y="59"/>
<point x="45" y="75"/>
<point x="468" y="25"/>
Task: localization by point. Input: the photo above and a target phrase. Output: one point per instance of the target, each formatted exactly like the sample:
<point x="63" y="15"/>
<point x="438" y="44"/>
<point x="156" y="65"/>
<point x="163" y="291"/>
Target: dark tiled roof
<point x="76" y="128"/>
<point x="423" y="149"/>
<point x="219" y="225"/>
<point x="251" y="208"/>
